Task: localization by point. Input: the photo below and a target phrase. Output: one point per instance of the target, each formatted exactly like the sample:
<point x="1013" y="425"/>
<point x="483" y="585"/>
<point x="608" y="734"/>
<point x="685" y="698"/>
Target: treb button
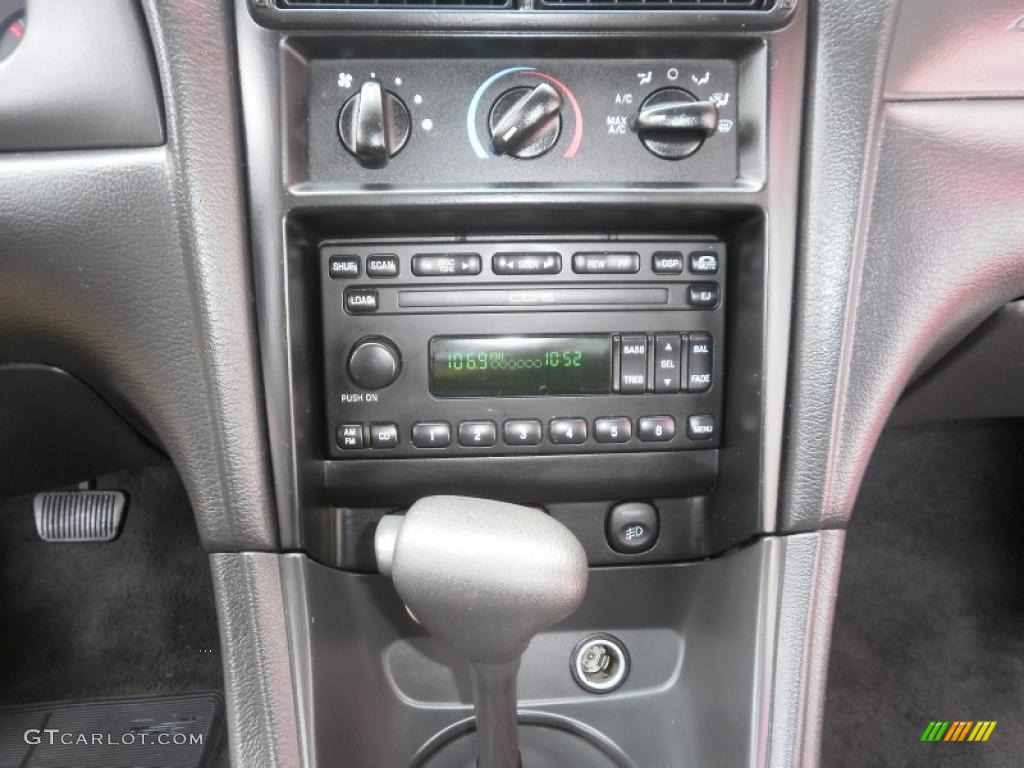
<point x="633" y="365"/>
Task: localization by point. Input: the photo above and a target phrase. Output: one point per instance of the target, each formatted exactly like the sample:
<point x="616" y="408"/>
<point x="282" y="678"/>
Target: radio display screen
<point x="520" y="366"/>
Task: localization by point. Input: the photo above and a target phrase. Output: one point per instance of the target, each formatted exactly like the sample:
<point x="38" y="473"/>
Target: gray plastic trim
<point x="258" y="686"/>
<point x="82" y="78"/>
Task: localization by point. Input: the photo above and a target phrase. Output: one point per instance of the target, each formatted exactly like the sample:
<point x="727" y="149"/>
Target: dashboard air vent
<point x="656" y="5"/>
<point x="396" y="4"/>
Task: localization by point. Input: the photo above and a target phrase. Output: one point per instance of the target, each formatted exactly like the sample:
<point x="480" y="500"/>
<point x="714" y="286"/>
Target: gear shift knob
<point x="484" y="577"/>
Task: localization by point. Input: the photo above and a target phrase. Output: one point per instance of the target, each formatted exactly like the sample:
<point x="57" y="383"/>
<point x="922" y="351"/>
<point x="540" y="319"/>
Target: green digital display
<point x="520" y="366"/>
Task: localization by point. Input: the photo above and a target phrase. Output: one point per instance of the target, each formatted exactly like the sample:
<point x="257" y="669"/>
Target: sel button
<point x="666" y="362"/>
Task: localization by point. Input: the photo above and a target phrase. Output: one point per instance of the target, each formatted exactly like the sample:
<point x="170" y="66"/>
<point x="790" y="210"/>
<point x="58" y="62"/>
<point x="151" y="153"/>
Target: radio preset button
<point x="526" y="263"/>
<point x="656" y="429"/>
<point x="567" y="431"/>
<point x="704" y="263"/>
<point x="343" y="267"/>
<point x="602" y="263"/>
<point x="477" y="434"/>
<point x="633" y="365"/>
<point x="613" y="430"/>
<point x="361" y="301"/>
<point x="667" y="362"/>
<point x="382" y="265"/>
<point x="383" y="435"/>
<point x="703" y="295"/>
<point x="522" y="432"/>
<point x="701" y="427"/>
<point x="432" y="434"/>
<point x="350" y="436"/>
<point x="446" y="264"/>
<point x="667" y="263"/>
<point x="699" y="362"/>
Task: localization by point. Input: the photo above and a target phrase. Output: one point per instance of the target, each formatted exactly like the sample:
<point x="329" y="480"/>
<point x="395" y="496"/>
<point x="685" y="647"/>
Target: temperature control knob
<point x="374" y="363"/>
<point x="672" y="124"/>
<point x="525" y="122"/>
<point x="374" y="125"/>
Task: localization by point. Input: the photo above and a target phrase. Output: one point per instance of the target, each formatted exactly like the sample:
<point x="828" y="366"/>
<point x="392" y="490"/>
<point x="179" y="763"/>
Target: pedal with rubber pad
<point x="79" y="516"/>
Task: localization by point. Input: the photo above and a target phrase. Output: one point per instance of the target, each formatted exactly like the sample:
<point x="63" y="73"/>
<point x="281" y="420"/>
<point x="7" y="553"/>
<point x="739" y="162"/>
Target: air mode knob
<point x="672" y="124"/>
<point x="374" y="125"/>
<point x="374" y="363"/>
<point x="525" y="122"/>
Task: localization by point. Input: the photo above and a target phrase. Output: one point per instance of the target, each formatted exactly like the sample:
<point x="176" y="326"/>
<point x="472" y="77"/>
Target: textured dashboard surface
<point x="128" y="269"/>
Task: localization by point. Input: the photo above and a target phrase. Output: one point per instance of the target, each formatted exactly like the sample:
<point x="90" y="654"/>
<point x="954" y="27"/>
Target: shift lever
<point x="484" y="577"/>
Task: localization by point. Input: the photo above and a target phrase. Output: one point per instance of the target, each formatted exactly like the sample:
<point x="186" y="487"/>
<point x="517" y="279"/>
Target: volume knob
<point x="374" y="363"/>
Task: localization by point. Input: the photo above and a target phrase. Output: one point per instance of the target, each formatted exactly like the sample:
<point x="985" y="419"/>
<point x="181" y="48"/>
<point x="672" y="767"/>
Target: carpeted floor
<point x="131" y="617"/>
<point x="930" y="614"/>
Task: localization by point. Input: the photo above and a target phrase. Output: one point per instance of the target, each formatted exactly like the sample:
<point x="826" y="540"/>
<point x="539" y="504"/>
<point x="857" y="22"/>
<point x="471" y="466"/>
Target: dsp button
<point x="633" y="365"/>
<point x="667" y="362"/>
<point x="567" y="431"/>
<point x="446" y="264"/>
<point x="381" y="265"/>
<point x="699" y="361"/>
<point x="526" y="263"/>
<point x="667" y="263"/>
<point x="361" y="301"/>
<point x="603" y="263"/>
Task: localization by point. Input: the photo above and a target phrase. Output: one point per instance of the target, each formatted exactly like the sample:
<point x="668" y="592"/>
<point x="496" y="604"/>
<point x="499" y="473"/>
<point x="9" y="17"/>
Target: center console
<point x="544" y="257"/>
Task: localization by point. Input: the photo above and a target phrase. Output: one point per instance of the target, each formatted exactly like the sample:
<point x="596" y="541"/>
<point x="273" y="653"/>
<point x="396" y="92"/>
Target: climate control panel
<point x="438" y="121"/>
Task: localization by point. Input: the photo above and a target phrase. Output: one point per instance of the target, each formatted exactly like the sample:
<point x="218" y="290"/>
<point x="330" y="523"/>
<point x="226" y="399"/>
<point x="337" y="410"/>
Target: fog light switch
<point x="632" y="527"/>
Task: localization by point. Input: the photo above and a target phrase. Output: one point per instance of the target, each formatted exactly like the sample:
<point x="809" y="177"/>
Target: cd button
<point x="567" y="431"/>
<point x="656" y="429"/>
<point x="613" y="430"/>
<point x="446" y="264"/>
<point x="522" y="432"/>
<point x="477" y="434"/>
<point x="434" y="434"/>
<point x="383" y="435"/>
<point x="381" y="265"/>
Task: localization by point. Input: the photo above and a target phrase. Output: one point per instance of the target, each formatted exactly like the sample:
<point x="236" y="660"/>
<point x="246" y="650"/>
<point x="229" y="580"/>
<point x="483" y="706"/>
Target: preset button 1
<point x="434" y="434"/>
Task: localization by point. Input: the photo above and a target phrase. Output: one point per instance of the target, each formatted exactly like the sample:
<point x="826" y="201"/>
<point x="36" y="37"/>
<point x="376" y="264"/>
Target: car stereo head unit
<point x="467" y="348"/>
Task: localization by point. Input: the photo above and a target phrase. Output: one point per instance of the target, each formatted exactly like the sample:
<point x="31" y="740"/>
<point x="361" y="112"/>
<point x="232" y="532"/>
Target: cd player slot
<point x="532" y="298"/>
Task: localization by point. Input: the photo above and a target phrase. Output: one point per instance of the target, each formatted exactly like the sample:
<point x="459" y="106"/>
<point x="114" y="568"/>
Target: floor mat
<point x="130" y="617"/>
<point x="930" y="614"/>
<point x="153" y="732"/>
